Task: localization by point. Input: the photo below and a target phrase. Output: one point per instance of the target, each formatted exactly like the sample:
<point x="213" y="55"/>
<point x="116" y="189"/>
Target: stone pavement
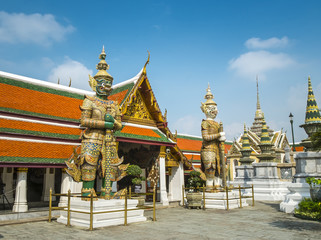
<point x="263" y="221"/>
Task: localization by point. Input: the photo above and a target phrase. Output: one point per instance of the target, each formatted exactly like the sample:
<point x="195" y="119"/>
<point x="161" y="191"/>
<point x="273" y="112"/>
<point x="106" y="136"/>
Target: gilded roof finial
<point x="312" y="114"/>
<point x="147" y="62"/>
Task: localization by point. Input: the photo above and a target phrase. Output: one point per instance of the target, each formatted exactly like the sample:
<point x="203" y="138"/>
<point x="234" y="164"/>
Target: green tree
<point x="316" y="140"/>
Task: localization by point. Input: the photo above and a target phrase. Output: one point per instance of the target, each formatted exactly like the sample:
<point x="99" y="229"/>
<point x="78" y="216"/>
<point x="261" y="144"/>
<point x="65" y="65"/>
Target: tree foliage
<point x="316" y="141"/>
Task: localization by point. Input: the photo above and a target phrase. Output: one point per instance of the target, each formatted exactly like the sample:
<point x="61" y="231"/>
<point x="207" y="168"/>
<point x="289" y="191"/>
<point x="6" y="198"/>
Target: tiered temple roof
<point x="278" y="138"/>
<point x="259" y="116"/>
<point x="39" y="120"/>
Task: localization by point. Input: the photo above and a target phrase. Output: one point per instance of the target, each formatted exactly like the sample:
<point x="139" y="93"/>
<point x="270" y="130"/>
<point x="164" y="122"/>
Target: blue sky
<point x="192" y="43"/>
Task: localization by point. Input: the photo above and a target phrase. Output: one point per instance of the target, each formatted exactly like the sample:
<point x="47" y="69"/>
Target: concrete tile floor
<point x="263" y="221"/>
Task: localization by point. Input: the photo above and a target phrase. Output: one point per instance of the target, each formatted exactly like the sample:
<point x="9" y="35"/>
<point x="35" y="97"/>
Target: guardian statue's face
<point x="103" y="87"/>
<point x="211" y="111"/>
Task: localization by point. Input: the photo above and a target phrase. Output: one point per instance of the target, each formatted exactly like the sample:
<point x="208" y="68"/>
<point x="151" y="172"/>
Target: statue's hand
<point x="222" y="137"/>
<point x="109" y="118"/>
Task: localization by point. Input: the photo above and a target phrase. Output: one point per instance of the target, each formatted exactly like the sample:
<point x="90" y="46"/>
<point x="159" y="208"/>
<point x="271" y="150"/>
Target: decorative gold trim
<point x="138" y="109"/>
<point x="162" y="152"/>
<point x="140" y="121"/>
<point x="171" y="163"/>
<point x="22" y="169"/>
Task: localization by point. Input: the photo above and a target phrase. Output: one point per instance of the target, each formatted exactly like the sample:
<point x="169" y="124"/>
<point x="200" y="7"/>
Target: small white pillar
<point x="49" y="182"/>
<point x="176" y="181"/>
<point x="65" y="186"/>
<point x="181" y="181"/>
<point x="162" y="180"/>
<point x="143" y="190"/>
<point x="20" y="203"/>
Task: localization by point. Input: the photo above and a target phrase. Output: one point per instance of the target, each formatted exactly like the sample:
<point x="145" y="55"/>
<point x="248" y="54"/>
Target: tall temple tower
<point x="259" y="116"/>
<point x="312" y="117"/>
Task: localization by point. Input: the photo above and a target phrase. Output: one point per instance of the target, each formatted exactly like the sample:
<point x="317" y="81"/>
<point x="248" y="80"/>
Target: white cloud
<point x="187" y="125"/>
<point x="259" y="62"/>
<point x="257" y="43"/>
<point x="34" y="28"/>
<point x="233" y="130"/>
<point x="74" y="70"/>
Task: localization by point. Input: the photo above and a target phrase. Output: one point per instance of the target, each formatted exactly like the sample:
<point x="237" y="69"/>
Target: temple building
<point x="277" y="139"/>
<point x="40" y="129"/>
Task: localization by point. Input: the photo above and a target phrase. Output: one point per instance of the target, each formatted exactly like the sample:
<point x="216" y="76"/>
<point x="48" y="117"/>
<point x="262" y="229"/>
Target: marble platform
<point x="270" y="189"/>
<point x="102" y="219"/>
<point x="308" y="164"/>
<point x="216" y="200"/>
<point x="298" y="191"/>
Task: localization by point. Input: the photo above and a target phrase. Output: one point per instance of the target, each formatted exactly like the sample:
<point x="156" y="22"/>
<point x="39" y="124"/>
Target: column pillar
<point x="143" y="190"/>
<point x="20" y="203"/>
<point x="49" y="182"/>
<point x="162" y="176"/>
<point x="65" y="186"/>
<point x="176" y="181"/>
<point x="181" y="180"/>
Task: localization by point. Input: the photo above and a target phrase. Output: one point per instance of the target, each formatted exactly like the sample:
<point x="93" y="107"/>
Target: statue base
<point x="102" y="219"/>
<point x="216" y="200"/>
<point x="308" y="164"/>
<point x="298" y="191"/>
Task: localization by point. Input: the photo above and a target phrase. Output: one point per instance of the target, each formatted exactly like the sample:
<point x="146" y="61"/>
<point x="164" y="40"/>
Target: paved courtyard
<point x="263" y="221"/>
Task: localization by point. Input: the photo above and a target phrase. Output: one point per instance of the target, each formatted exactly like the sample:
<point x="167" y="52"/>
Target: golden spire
<point x="312" y="114"/>
<point x="245" y="141"/>
<point x="258" y="113"/>
<point x="265" y="138"/>
<point x="147" y="62"/>
<point x="258" y="106"/>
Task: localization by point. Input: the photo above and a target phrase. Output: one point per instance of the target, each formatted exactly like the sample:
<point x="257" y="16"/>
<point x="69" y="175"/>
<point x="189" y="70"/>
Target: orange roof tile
<point x="119" y="97"/>
<point x="34" y="149"/>
<point x="39" y="102"/>
<point x="139" y="131"/>
<point x="31" y="126"/>
<point x="189" y="144"/>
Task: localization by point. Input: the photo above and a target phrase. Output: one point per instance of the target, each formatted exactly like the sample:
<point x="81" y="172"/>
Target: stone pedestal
<point x="244" y="173"/>
<point x="103" y="219"/>
<point x="265" y="171"/>
<point x="298" y="191"/>
<point x="218" y="202"/>
<point x="267" y="185"/>
<point x="308" y="164"/>
<point x="270" y="190"/>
